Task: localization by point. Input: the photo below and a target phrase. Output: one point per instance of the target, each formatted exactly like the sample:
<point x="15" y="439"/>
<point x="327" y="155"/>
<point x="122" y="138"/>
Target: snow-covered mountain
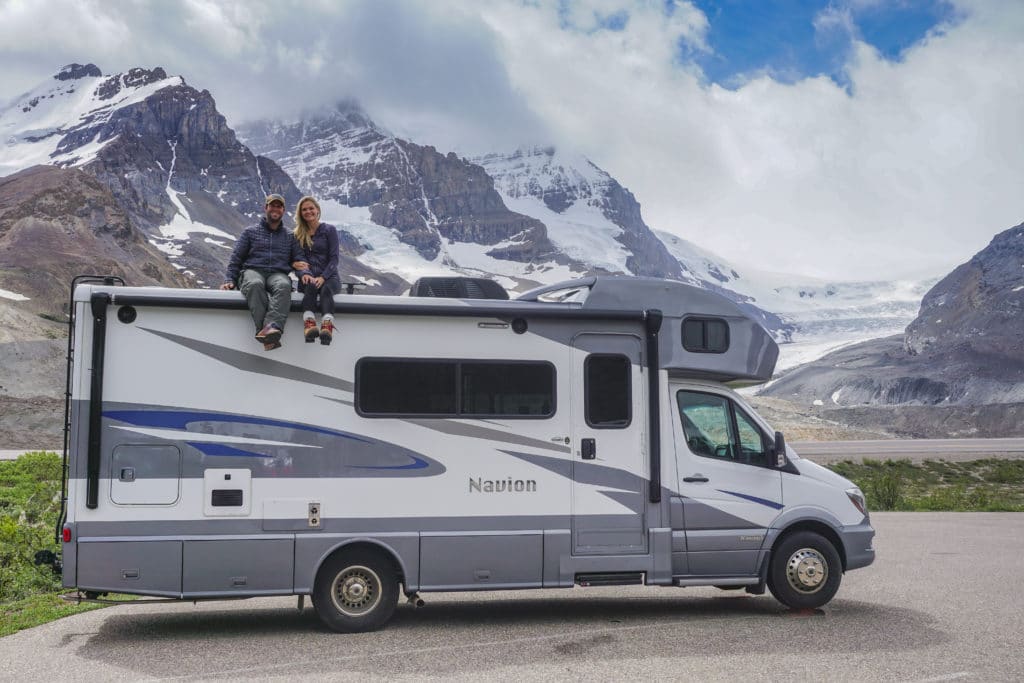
<point x="404" y="210"/>
<point x="161" y="148"/>
<point x="412" y="210"/>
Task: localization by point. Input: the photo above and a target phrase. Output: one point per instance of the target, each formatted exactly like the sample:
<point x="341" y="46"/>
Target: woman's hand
<point x="319" y="282"/>
<point x="307" y="278"/>
<point x="300" y="265"/>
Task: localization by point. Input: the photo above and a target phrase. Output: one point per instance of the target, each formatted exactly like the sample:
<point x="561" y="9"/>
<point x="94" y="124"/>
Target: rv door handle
<point x="588" y="449"/>
<point x="696" y="478"/>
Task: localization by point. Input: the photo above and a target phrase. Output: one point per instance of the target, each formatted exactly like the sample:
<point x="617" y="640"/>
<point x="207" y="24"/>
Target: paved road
<point x="943" y="602"/>
<point x="912" y="449"/>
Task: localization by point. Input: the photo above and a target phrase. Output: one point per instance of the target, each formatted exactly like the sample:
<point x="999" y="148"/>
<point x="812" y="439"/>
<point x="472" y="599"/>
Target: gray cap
<point x="274" y="198"/>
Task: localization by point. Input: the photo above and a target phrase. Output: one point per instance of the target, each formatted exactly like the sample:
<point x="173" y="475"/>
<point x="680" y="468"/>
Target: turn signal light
<point x="66" y="534"/>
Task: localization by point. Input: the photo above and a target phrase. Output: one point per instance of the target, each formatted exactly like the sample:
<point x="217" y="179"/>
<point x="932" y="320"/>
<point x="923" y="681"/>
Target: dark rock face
<point x="72" y="72"/>
<point x="176" y="141"/>
<point x="979" y="306"/>
<point x="133" y="78"/>
<point x="966" y="347"/>
<point x="58" y="223"/>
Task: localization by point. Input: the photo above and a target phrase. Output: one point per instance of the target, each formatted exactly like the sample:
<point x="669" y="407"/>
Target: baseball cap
<point x="273" y="198"/>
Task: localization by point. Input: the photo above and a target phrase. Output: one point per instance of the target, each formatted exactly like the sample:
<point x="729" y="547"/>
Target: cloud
<point x="909" y="172"/>
<point x="909" y="168"/>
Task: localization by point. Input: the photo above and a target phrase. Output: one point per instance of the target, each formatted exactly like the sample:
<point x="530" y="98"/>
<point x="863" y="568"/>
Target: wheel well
<point x="379" y="548"/>
<point x="818" y="528"/>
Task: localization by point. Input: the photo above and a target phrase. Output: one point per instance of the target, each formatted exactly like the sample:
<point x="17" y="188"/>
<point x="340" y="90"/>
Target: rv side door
<point x="609" y="462"/>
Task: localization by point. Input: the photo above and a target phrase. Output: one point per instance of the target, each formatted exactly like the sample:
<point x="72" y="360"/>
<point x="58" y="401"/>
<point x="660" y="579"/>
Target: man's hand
<point x="300" y="265"/>
<point x="228" y="285"/>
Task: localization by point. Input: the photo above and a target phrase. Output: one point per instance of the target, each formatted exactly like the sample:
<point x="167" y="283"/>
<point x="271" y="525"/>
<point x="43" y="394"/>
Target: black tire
<point x="356" y="591"/>
<point x="805" y="570"/>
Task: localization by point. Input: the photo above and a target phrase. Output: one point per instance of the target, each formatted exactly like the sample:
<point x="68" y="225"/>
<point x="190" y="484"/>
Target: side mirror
<point x="780" y="450"/>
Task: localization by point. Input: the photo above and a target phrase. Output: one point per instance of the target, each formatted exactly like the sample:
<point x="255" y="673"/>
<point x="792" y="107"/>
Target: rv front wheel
<point x="805" y="570"/>
<point x="356" y="591"/>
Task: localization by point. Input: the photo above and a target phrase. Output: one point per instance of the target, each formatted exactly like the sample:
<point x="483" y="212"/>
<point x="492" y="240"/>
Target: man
<point x="259" y="266"/>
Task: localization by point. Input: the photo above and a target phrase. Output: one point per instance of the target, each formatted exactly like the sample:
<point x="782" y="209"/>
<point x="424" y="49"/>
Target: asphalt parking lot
<point x="942" y="602"/>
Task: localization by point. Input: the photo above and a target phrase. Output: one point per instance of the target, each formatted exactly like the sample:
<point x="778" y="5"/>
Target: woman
<point x="320" y="282"/>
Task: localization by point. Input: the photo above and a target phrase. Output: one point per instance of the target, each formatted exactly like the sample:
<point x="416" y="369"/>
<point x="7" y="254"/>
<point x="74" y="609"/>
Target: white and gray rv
<point x="584" y="433"/>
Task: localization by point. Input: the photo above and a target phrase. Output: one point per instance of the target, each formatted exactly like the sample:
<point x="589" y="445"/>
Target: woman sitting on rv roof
<point x="320" y="282"/>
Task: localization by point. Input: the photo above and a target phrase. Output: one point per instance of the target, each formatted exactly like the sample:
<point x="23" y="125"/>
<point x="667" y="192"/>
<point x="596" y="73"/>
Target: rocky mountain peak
<point x="133" y="78"/>
<point x="70" y="72"/>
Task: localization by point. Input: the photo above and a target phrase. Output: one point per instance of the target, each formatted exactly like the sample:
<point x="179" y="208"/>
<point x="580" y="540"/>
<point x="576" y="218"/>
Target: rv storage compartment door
<point x="145" y="474"/>
<point x="500" y="560"/>
<point x="256" y="566"/>
<point x="148" y="567"/>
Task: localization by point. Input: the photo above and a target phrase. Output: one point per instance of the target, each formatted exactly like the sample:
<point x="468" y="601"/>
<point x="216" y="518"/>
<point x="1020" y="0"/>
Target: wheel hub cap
<point x="357" y="590"/>
<point x="806" y="570"/>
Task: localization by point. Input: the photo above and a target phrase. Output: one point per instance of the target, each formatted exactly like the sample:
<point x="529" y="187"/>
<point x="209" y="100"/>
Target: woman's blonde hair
<point x="303" y="233"/>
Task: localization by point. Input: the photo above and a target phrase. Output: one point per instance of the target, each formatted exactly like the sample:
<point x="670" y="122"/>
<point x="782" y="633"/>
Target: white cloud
<point x="910" y="171"/>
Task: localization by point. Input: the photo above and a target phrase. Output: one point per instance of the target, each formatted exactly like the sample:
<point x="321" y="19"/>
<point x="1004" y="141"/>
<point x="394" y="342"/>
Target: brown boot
<point x="326" y="332"/>
<point x="271" y="346"/>
<point x="309" y="330"/>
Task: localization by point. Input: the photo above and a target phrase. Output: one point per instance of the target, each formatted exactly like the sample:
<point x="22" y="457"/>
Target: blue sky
<point x="794" y="39"/>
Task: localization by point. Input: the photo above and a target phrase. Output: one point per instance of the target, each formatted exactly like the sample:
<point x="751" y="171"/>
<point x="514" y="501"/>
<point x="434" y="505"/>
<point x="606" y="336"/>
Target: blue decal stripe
<point x="222" y="449"/>
<point x="180" y="419"/>
<point x="754" y="499"/>
<point x="417" y="464"/>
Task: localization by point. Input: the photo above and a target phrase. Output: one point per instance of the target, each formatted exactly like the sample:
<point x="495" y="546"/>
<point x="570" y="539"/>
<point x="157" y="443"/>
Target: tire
<point x="356" y="591"/>
<point x="805" y="570"/>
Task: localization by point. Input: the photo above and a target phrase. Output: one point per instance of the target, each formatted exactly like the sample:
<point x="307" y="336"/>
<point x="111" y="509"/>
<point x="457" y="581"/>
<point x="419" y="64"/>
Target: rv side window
<point x="390" y="387"/>
<point x="706" y="424"/>
<point x="705" y="335"/>
<point x="715" y="427"/>
<point x="751" y="441"/>
<point x="507" y="389"/>
<point x="406" y="387"/>
<point x="608" y="403"/>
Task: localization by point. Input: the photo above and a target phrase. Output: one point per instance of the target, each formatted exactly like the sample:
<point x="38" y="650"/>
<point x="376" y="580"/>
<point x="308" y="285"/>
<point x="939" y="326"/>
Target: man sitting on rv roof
<point x="259" y="266"/>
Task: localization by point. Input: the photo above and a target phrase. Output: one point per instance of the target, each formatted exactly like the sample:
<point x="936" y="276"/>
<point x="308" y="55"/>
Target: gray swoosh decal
<point x="478" y="432"/>
<point x="260" y="365"/>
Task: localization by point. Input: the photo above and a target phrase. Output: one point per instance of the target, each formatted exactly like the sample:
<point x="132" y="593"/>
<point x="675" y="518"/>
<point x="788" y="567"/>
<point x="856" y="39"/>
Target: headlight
<point x="856" y="497"/>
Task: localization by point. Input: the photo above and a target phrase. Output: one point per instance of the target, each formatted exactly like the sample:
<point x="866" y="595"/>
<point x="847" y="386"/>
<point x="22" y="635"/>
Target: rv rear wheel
<point x="356" y="591"/>
<point x="805" y="570"/>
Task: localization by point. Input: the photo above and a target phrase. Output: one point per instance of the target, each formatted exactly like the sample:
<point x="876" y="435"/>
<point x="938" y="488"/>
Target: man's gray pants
<point x="269" y="295"/>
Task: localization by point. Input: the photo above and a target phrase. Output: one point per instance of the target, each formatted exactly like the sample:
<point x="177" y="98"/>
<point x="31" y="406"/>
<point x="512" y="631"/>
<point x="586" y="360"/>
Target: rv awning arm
<point x="98" y="303"/>
<point x="652" y="324"/>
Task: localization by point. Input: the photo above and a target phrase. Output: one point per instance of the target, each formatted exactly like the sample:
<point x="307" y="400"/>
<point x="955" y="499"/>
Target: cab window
<point x="716" y="428"/>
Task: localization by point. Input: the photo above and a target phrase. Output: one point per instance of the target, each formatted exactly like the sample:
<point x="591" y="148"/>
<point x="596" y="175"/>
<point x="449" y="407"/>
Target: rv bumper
<point x="857" y="543"/>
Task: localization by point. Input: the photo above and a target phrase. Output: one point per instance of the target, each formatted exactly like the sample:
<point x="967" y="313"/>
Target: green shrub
<point x="884" y="490"/>
<point x="29" y="506"/>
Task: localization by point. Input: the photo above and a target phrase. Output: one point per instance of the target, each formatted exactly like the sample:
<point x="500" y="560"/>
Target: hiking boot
<point x="310" y="331"/>
<point x="270" y="334"/>
<point x="326" y="332"/>
<point x="271" y="346"/>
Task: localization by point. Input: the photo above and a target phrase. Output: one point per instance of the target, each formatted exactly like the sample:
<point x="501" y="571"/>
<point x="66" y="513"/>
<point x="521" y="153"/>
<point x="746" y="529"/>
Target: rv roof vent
<point x="458" y="288"/>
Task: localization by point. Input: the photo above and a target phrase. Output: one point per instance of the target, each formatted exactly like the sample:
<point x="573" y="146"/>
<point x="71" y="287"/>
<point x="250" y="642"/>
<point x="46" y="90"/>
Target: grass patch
<point x="29" y="505"/>
<point x="36" y="610"/>
<point x="987" y="485"/>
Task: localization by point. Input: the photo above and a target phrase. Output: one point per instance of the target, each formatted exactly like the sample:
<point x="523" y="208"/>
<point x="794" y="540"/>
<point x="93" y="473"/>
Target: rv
<point x="585" y="433"/>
